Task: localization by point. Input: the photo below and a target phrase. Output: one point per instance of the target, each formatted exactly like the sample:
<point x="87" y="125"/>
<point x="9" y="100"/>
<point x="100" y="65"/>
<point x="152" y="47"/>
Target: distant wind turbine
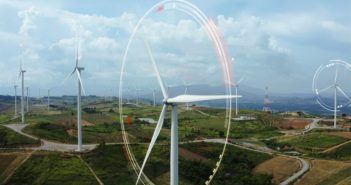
<point x="236" y="85"/>
<point x="137" y="91"/>
<point x="15" y="101"/>
<point x="21" y="74"/>
<point x="173" y="102"/>
<point x="186" y="85"/>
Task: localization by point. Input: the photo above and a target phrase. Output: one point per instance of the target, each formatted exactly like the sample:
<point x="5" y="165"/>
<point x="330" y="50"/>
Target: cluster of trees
<point x="272" y="143"/>
<point x="3" y="139"/>
<point x="91" y="110"/>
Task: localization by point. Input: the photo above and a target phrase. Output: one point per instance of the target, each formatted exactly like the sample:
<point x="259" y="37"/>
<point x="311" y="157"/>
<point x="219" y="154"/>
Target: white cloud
<point x="28" y="17"/>
<point x="260" y="44"/>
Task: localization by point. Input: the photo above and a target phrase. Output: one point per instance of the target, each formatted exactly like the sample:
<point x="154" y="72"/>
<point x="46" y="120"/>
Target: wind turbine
<point x="137" y="96"/>
<point x="173" y="103"/>
<point x="77" y="70"/>
<point x="236" y="85"/>
<point x="15" y="100"/>
<point x="186" y="85"/>
<point x="21" y="74"/>
<point x="334" y="86"/>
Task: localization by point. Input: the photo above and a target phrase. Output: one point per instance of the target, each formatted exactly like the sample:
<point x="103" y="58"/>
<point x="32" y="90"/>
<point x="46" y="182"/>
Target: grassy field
<point x="4" y="118"/>
<point x="343" y="176"/>
<point x="253" y="129"/>
<point x="110" y="165"/>
<point x="53" y="168"/>
<point x="49" y="131"/>
<point x="60" y="133"/>
<point x="9" y="162"/>
<point x="279" y="167"/>
<point x="322" y="170"/>
<point x="313" y="141"/>
<point x="341" y="153"/>
<point x="10" y="139"/>
<point x="236" y="167"/>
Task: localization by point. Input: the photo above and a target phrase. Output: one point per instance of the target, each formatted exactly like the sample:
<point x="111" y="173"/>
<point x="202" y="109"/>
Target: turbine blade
<point x="197" y="98"/>
<point x="319" y="91"/>
<point x="80" y="81"/>
<point x="240" y="80"/>
<point x="164" y="92"/>
<point x="343" y="93"/>
<point x="153" y="140"/>
<point x="77" y="58"/>
<point x="77" y="52"/>
<point x="64" y="80"/>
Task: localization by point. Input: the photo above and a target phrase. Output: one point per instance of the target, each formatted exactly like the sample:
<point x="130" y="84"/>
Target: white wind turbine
<point x="334" y="86"/>
<point x="236" y="86"/>
<point x="186" y="85"/>
<point x="21" y="74"/>
<point x="173" y="103"/>
<point x="137" y="91"/>
<point x="77" y="70"/>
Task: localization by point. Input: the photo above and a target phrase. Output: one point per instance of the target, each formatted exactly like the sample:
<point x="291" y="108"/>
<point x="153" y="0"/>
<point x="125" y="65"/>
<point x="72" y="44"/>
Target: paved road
<point x="304" y="168"/>
<point x="48" y="145"/>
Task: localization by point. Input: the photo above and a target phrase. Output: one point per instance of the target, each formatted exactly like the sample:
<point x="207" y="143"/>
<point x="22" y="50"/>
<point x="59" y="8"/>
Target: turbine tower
<point x="236" y="86"/>
<point x="173" y="103"/>
<point x="21" y="74"/>
<point x="15" y="101"/>
<point x="27" y="99"/>
<point x="266" y="102"/>
<point x="77" y="70"/>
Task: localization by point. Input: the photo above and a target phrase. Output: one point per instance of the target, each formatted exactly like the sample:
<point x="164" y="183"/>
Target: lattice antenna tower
<point x="266" y="102"/>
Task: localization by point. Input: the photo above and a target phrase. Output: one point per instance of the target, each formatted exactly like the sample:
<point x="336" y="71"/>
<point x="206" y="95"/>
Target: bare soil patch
<point x="294" y="123"/>
<point x="279" y="167"/>
<point x="190" y="155"/>
<point x="340" y="133"/>
<point x="72" y="132"/>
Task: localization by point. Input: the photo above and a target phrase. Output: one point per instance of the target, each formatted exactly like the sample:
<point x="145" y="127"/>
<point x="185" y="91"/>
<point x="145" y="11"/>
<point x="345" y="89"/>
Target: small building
<point x="244" y="118"/>
<point x="147" y="120"/>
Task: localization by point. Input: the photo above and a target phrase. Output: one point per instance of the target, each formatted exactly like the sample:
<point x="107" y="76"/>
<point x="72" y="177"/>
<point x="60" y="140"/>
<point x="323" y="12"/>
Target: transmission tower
<point x="266" y="102"/>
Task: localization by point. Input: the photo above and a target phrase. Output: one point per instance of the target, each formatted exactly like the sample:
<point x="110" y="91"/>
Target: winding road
<point x="48" y="145"/>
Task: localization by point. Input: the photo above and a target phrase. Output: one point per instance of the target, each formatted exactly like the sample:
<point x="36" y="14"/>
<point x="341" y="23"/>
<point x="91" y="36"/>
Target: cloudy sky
<point x="274" y="43"/>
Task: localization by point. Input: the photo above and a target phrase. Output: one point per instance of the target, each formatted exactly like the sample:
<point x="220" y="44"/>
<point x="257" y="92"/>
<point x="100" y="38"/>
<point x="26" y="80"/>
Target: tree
<point x="3" y="139"/>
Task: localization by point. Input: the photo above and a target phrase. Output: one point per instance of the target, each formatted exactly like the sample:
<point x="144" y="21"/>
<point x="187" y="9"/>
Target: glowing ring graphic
<point x="223" y="58"/>
<point x="316" y="90"/>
